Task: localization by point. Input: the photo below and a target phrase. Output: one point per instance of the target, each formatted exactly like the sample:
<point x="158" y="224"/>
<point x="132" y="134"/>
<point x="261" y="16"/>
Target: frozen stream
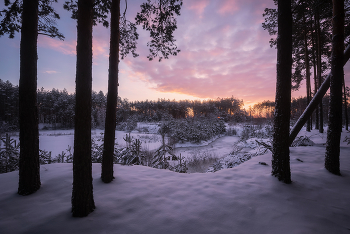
<point x="218" y="148"/>
<point x="57" y="141"/>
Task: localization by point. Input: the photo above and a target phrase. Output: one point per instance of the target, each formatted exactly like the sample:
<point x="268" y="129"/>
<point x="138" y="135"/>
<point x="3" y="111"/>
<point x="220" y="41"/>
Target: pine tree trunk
<point x="82" y="194"/>
<point x="335" y="103"/>
<point x="307" y="68"/>
<point x="345" y="108"/>
<point x="112" y="96"/>
<point x="29" y="167"/>
<point x="315" y="75"/>
<point x="280" y="155"/>
<point x="319" y="69"/>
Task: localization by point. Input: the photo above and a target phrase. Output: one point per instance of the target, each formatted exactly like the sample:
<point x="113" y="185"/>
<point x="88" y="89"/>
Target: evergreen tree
<point x="112" y="96"/>
<point x="335" y="105"/>
<point x="82" y="194"/>
<point x="123" y="36"/>
<point x="24" y="17"/>
<point x="280" y="154"/>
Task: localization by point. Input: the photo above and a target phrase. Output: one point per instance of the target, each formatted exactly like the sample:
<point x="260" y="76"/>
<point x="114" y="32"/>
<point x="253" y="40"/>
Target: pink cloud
<point x="100" y="46"/>
<point x="197" y="6"/>
<point x="228" y="6"/>
<point x="65" y="47"/>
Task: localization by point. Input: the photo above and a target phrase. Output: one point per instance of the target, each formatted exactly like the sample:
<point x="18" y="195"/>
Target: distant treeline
<point x="57" y="109"/>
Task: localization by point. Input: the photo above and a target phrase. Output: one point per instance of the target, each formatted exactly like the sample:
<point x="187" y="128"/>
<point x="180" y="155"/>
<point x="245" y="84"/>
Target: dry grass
<point x="200" y="162"/>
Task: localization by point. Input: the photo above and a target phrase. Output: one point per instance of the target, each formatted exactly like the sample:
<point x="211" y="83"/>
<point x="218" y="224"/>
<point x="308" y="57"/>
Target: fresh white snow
<point x="243" y="199"/>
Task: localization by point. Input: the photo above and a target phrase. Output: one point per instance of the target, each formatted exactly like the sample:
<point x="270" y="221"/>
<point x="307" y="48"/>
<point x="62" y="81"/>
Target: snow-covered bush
<point x="9" y="154"/>
<point x="195" y="130"/>
<point x="201" y="161"/>
<point x="302" y="141"/>
<point x="231" y="131"/>
<point x="255" y="131"/>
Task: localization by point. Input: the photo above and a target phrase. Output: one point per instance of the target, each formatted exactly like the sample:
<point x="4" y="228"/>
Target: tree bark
<point x="29" y="167"/>
<point x="315" y="101"/>
<point x="319" y="69"/>
<point x="112" y="96"/>
<point x="335" y="103"/>
<point x="82" y="194"/>
<point x="315" y="76"/>
<point x="307" y="68"/>
<point x="280" y="154"/>
<point x="345" y="108"/>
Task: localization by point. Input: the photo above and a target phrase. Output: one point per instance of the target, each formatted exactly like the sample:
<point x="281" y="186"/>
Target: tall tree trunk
<point x="335" y="102"/>
<point x="29" y="167"/>
<point x="280" y="155"/>
<point x="314" y="49"/>
<point x="82" y="194"/>
<point x="319" y="69"/>
<point x="345" y="108"/>
<point x="310" y="95"/>
<point x="307" y="68"/>
<point x="112" y="96"/>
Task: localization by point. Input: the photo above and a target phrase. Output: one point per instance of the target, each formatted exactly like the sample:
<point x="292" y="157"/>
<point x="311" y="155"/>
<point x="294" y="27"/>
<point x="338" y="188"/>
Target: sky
<point x="224" y="52"/>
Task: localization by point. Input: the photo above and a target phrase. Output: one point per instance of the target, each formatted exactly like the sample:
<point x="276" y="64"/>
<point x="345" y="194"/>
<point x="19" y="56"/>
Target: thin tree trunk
<point x="319" y="69"/>
<point x="315" y="101"/>
<point x="307" y="68"/>
<point x="310" y="94"/>
<point x="345" y="108"/>
<point x="335" y="102"/>
<point x="82" y="194"/>
<point x="29" y="167"/>
<point x="112" y="96"/>
<point x="315" y="76"/>
<point x="280" y="155"/>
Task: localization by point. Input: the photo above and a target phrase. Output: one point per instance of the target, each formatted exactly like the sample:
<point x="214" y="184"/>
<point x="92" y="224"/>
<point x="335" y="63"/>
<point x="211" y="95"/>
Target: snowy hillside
<point x="244" y="199"/>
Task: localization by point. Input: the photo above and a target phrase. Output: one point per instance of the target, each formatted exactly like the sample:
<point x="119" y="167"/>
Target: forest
<point x="56" y="109"/>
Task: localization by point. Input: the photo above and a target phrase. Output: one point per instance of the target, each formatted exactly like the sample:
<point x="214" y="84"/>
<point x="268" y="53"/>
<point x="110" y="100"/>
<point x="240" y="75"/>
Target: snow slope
<point x="244" y="199"/>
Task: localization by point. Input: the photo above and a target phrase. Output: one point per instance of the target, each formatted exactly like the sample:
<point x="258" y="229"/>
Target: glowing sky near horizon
<point x="224" y="52"/>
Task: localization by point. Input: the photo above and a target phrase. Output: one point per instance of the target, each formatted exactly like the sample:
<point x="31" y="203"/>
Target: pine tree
<point x="280" y="155"/>
<point x="123" y="40"/>
<point x="82" y="194"/>
<point x="24" y="17"/>
<point x="112" y="96"/>
<point x="335" y="105"/>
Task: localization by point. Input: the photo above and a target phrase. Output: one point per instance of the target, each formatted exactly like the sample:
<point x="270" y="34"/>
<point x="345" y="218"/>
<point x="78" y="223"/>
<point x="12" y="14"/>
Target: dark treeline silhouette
<point x="56" y="109"/>
<point x="230" y="109"/>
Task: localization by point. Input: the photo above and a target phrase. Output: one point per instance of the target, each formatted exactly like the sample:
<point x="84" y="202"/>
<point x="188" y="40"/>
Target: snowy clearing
<point x="244" y="199"/>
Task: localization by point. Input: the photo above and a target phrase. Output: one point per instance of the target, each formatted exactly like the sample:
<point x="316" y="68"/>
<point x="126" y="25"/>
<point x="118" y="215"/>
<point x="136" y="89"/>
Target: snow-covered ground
<point x="243" y="199"/>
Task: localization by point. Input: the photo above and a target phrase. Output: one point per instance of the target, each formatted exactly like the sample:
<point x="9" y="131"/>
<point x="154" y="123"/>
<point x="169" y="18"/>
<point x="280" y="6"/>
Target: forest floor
<point x="243" y="199"/>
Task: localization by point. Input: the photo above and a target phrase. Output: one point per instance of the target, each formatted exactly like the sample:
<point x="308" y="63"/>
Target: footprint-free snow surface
<point x="244" y="199"/>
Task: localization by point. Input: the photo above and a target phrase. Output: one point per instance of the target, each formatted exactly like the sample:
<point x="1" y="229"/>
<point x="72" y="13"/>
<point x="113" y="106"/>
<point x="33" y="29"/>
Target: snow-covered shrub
<point x="9" y="154"/>
<point x="96" y="151"/>
<point x="201" y="161"/>
<point x="302" y="141"/>
<point x="255" y="131"/>
<point x="180" y="168"/>
<point x="231" y="131"/>
<point x="132" y="154"/>
<point x="347" y="139"/>
<point x="45" y="157"/>
<point x="195" y="130"/>
<point x="238" y="156"/>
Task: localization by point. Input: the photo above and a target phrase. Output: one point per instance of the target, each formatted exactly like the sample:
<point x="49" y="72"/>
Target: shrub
<point x="9" y="154"/>
<point x="195" y="130"/>
<point x="201" y="161"/>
